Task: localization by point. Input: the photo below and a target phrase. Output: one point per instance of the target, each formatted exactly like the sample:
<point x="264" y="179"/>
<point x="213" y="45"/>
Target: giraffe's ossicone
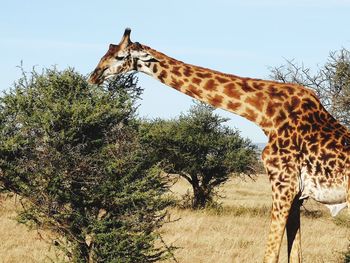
<point x="308" y="151"/>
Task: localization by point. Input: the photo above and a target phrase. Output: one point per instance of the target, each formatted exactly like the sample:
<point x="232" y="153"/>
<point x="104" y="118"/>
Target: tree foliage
<point x="71" y="151"/>
<point x="198" y="147"/>
<point x="331" y="82"/>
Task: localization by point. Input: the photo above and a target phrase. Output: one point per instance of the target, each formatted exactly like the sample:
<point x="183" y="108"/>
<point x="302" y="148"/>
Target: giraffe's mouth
<point x="97" y="76"/>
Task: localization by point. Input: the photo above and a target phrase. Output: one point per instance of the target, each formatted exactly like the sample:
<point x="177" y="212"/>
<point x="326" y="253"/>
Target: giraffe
<point x="308" y="151"/>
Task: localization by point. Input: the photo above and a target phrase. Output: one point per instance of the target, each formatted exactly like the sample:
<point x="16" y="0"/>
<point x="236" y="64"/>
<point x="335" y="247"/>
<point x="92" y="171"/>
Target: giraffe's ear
<point x="125" y="41"/>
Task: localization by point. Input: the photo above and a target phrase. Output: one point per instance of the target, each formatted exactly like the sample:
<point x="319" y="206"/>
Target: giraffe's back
<point x="326" y="168"/>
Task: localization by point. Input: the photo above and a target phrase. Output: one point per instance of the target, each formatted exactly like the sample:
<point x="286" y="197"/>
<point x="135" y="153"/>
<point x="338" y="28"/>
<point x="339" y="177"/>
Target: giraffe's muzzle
<point x="96" y="76"/>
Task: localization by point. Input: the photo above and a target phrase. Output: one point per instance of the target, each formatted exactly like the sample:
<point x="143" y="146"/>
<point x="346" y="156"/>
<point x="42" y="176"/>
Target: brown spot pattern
<point x="256" y="101"/>
<point x="196" y="81"/>
<point x="271" y="108"/>
<point x="187" y="71"/>
<point x="194" y="90"/>
<point x="250" y="114"/>
<point x="234" y="106"/>
<point x="164" y="65"/>
<point x="176" y="71"/>
<point x="210" y="85"/>
<point x="231" y="91"/>
<point x="176" y="83"/>
<point x="245" y="86"/>
<point x="216" y="100"/>
<point x="221" y="79"/>
<point x="203" y="75"/>
<point x="162" y="76"/>
<point x="155" y="68"/>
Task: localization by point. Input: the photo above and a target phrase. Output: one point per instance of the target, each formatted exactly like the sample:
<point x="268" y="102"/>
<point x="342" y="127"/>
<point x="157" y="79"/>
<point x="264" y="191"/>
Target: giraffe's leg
<point x="284" y="194"/>
<point x="293" y="232"/>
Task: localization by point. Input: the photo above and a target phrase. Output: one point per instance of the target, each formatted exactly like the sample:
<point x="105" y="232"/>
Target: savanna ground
<point x="234" y="232"/>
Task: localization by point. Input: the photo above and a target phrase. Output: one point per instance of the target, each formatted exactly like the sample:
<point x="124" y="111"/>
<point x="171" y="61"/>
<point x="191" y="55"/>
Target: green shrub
<point x="71" y="151"/>
<point x="201" y="149"/>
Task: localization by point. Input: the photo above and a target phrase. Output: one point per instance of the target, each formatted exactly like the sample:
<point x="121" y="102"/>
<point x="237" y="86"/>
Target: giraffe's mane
<point x="161" y="56"/>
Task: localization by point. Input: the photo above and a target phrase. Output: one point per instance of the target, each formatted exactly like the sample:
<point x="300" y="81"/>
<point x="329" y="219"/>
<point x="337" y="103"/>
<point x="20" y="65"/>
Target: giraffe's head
<point x="124" y="57"/>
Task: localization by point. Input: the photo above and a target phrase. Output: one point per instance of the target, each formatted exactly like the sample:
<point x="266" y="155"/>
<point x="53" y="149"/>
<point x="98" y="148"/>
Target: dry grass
<point x="18" y="244"/>
<point x="237" y="233"/>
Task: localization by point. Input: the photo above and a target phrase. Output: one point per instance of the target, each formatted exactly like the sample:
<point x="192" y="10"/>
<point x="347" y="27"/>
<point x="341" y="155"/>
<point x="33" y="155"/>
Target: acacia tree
<point x="331" y="82"/>
<point x="70" y="150"/>
<point x="198" y="147"/>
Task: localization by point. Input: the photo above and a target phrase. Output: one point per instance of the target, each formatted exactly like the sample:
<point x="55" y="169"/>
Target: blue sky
<point x="239" y="37"/>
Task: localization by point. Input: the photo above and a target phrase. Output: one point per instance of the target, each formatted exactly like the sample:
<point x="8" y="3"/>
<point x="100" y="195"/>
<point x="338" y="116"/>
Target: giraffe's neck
<point x="253" y="99"/>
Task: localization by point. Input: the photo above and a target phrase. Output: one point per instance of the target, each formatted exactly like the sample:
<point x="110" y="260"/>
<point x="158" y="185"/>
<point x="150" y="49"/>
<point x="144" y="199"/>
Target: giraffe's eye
<point x="119" y="58"/>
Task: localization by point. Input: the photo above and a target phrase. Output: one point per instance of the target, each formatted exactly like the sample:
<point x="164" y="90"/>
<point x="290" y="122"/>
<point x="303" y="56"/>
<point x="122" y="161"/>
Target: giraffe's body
<point x="308" y="151"/>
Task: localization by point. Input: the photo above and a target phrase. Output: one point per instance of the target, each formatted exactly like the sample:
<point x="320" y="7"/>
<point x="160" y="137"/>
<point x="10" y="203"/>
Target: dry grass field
<point x="18" y="244"/>
<point x="238" y="233"/>
<point x="235" y="233"/>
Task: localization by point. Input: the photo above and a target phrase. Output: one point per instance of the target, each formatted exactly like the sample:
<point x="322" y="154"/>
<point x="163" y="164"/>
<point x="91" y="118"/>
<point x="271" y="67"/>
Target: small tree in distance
<point x="71" y="151"/>
<point x="198" y="147"/>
